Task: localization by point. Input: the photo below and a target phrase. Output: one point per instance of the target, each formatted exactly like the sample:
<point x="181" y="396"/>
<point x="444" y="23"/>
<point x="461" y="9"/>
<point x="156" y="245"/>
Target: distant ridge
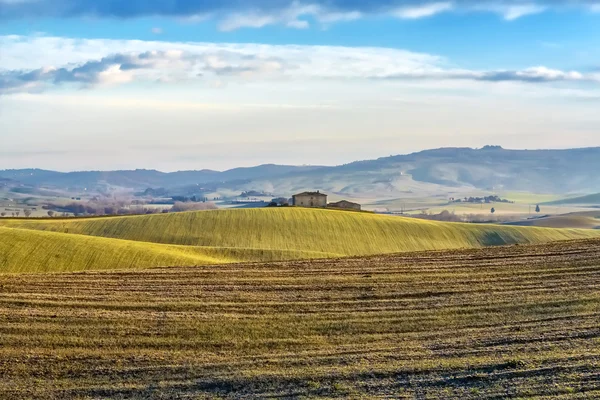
<point x="592" y="199"/>
<point x="488" y="168"/>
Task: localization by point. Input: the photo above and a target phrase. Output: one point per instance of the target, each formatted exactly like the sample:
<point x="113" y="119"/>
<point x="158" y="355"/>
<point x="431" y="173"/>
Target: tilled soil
<point x="507" y="322"/>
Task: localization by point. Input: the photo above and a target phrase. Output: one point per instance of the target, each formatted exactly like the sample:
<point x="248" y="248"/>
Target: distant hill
<point x="446" y="169"/>
<point x="142" y="178"/>
<point x="592" y="199"/>
<point x="582" y="220"/>
<point x="223" y="236"/>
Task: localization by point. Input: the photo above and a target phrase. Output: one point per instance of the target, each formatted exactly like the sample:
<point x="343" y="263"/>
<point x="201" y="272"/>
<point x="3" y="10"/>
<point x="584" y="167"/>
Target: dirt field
<point x="513" y="322"/>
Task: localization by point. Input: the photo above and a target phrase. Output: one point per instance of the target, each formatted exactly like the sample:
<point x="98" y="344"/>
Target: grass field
<point x="37" y="251"/>
<point x="508" y="322"/>
<point x="223" y="236"/>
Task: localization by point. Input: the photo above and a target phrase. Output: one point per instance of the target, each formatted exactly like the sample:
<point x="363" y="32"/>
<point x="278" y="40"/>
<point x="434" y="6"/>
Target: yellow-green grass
<point x="30" y="251"/>
<point x="299" y="230"/>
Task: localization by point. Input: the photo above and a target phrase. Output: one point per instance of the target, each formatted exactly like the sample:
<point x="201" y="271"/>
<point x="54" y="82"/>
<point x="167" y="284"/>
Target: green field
<point x="225" y="236"/>
<point x="516" y="322"/>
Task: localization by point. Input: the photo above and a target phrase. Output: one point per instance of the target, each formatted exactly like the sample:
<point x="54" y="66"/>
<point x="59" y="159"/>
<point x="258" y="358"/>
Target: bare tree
<point x="17" y="212"/>
<point x="51" y="213"/>
<point x="27" y="213"/>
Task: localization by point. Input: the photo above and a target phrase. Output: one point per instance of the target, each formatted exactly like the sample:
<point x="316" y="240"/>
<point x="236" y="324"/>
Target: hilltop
<point x="224" y="236"/>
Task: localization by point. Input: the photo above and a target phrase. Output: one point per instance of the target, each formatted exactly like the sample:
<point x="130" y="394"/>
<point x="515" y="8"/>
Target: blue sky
<point x="234" y="83"/>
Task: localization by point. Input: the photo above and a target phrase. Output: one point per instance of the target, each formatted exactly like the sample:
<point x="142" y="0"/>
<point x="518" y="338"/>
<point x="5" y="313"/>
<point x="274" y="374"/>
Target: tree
<point x="17" y="213"/>
<point x="51" y="213"/>
<point x="493" y="210"/>
<point x="537" y="208"/>
<point x="3" y="214"/>
<point x="27" y="213"/>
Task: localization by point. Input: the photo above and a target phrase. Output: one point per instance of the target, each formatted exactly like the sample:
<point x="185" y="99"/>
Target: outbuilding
<point x="345" y="204"/>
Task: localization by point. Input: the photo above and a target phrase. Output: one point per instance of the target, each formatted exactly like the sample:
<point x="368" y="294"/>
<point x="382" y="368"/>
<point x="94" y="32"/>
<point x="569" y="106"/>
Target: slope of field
<point x="508" y="322"/>
<point x="592" y="199"/>
<point x="586" y="220"/>
<point x="299" y="229"/>
<point x="29" y="251"/>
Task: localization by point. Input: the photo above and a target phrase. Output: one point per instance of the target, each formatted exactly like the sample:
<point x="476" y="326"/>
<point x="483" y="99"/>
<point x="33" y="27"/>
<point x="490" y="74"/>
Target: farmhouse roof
<point x="343" y="202"/>
<point x="317" y="193"/>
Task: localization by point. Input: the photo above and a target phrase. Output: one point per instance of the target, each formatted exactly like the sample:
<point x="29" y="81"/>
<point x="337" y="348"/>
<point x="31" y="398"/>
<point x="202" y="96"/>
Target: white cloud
<point x="422" y="11"/>
<point x="25" y="68"/>
<point x="157" y="31"/>
<point x="289" y="17"/>
<point x="512" y="13"/>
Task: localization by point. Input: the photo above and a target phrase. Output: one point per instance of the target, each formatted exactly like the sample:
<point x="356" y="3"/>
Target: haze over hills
<point x="445" y="169"/>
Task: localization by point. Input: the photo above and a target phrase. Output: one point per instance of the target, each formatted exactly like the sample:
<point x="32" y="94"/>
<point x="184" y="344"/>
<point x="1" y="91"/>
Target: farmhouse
<point x="310" y="199"/>
<point x="346" y="205"/>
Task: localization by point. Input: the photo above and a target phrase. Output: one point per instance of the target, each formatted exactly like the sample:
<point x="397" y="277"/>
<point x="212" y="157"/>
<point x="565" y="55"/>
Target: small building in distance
<point x="346" y="205"/>
<point x="310" y="199"/>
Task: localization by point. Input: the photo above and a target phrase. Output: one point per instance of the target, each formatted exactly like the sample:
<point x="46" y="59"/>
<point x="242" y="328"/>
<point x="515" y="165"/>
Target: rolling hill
<point x="27" y="251"/>
<point x="591" y="199"/>
<point x="225" y="236"/>
<point x="583" y="220"/>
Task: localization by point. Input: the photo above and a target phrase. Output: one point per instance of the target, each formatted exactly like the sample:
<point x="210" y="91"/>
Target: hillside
<point x="142" y="178"/>
<point x="583" y="220"/>
<point x="592" y="199"/>
<point x="447" y="170"/>
<point x="27" y="251"/>
<point x="241" y="235"/>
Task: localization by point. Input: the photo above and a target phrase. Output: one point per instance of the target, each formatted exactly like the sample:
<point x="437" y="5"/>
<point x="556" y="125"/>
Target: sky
<point x="181" y="85"/>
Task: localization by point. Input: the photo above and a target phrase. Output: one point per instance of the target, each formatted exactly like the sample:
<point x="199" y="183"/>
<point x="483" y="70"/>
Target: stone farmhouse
<point x="319" y="200"/>
<point x="310" y="199"/>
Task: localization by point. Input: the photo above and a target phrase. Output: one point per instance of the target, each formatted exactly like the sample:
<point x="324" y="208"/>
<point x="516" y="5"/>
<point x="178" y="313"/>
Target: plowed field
<point x="506" y="322"/>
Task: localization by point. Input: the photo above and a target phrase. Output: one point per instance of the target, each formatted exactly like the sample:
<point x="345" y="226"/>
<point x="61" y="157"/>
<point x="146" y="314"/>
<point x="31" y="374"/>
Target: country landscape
<point x="277" y="300"/>
<point x="299" y="199"/>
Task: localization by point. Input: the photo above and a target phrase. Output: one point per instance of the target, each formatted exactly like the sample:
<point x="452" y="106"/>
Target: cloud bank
<point x="91" y="63"/>
<point x="234" y="14"/>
